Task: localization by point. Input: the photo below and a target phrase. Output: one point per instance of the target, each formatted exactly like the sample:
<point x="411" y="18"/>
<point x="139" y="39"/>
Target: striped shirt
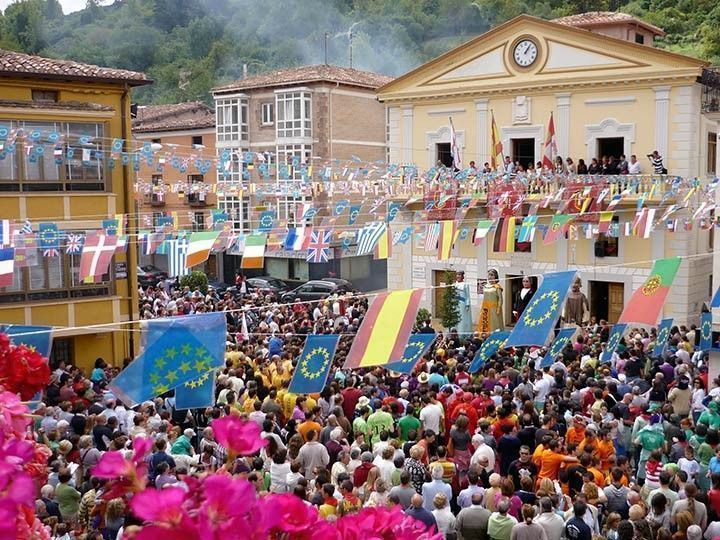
<point x="657" y="163"/>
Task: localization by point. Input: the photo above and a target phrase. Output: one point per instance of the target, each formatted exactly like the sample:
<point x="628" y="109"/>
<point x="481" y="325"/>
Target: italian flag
<point x="199" y="248"/>
<point x="647" y="302"/>
<point x="254" y="254"/>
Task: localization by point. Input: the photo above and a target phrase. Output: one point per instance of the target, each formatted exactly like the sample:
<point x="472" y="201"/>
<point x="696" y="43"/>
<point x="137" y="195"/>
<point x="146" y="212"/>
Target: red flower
<point x="22" y="370"/>
<point x="238" y="436"/>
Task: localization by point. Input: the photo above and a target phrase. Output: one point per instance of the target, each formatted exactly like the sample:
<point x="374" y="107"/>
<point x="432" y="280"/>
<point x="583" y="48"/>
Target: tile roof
<point x="307" y="74"/>
<point x="15" y="63"/>
<point x="56" y="105"/>
<point x="173" y="117"/>
<point x="601" y="18"/>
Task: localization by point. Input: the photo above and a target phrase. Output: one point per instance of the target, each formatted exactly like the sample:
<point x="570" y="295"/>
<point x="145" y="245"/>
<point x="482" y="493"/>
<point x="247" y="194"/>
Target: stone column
<point x="482" y="129"/>
<point x="562" y="123"/>
<point x="662" y="120"/>
<point x="407" y="134"/>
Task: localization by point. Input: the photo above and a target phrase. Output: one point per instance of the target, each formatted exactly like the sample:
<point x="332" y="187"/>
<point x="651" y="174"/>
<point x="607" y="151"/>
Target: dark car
<point x="149" y="275"/>
<point x="318" y="289"/>
<point x="220" y="287"/>
<point x="267" y="285"/>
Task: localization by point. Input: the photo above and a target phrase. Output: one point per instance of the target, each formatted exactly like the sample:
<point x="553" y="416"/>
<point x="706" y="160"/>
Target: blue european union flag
<point x="38" y="338"/>
<point x="314" y="364"/>
<point x="705" y="331"/>
<point x="541" y="314"/>
<point x="662" y="336"/>
<point x="267" y="220"/>
<point x="491" y="345"/>
<point x="354" y="213"/>
<point x="341" y="206"/>
<point x="563" y="338"/>
<point x="198" y="393"/>
<point x="616" y="335"/>
<point x="177" y="350"/>
<point x="416" y="347"/>
<point x="393" y="209"/>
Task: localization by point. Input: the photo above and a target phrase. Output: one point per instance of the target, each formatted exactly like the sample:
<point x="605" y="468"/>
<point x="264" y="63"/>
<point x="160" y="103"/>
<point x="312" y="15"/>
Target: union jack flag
<point x="319" y="246"/>
<point x="74" y="243"/>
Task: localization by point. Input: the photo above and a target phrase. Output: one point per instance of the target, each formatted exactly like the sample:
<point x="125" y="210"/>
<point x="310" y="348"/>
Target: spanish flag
<point x="496" y="153"/>
<point x="504" y="241"/>
<point x="385" y="330"/>
<point x="447" y="237"/>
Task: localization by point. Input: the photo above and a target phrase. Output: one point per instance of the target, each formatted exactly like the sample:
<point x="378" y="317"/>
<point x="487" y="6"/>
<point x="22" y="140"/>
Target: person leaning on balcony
<point x="634" y="165"/>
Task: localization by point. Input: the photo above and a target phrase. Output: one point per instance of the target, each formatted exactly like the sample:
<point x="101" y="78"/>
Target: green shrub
<point x="195" y="280"/>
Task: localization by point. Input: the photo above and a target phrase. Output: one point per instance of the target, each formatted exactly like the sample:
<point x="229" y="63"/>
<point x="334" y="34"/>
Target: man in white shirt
<point x="385" y="464"/>
<point x="549" y="520"/>
<point x="431" y="415"/>
<point x="541" y="387"/>
<point x="482" y="450"/>
<point x="634" y="165"/>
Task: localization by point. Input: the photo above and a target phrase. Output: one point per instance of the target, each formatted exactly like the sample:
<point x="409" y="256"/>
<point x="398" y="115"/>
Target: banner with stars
<point x="662" y="336"/>
<point x="314" y="364"/>
<point x="490" y="346"/>
<point x="417" y="346"/>
<point x="561" y="340"/>
<point x="542" y="313"/>
<point x="705" y="331"/>
<point x="197" y="393"/>
<point x="616" y="335"/>
<point x="176" y="351"/>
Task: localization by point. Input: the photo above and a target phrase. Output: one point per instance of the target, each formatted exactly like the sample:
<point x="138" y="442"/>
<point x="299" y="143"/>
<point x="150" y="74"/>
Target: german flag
<point x="504" y="241"/>
<point x="447" y="237"/>
<point x="385" y="330"/>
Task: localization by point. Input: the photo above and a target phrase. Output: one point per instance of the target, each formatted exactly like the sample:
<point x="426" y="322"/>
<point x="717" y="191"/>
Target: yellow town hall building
<point x="608" y="96"/>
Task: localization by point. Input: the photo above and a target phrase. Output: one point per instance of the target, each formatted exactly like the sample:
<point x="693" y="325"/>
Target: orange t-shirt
<point x="575" y="435"/>
<point x="537" y="455"/>
<point x="306" y="426"/>
<point x="599" y="478"/>
<point x="550" y="464"/>
<point x="603" y="451"/>
<point x="585" y="442"/>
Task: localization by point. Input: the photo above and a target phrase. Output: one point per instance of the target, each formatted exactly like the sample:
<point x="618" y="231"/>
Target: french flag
<point x="7" y="266"/>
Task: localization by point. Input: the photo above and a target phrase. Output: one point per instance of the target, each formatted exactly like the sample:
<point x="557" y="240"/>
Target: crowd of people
<point x="577" y="450"/>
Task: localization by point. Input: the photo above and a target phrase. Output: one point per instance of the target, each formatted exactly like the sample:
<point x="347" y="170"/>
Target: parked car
<point x="267" y="285"/>
<point x="317" y="289"/>
<point x="150" y="276"/>
<point x="220" y="287"/>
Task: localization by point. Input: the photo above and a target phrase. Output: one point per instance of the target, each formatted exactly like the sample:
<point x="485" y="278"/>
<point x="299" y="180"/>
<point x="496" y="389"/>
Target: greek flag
<point x="369" y="236"/>
<point x="177" y="254"/>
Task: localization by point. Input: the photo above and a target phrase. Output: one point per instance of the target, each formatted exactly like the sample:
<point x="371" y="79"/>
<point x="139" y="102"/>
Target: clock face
<point x="525" y="53"/>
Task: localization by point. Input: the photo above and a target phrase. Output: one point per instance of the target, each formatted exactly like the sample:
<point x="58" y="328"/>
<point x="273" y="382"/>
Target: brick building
<point x="182" y="130"/>
<point x="306" y="115"/>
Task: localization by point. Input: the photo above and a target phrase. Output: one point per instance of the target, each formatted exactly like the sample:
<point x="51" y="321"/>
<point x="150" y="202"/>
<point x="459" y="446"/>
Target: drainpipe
<point x="131" y="222"/>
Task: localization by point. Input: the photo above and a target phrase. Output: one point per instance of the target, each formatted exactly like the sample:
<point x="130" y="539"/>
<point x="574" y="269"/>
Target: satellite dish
<point x="155" y="147"/>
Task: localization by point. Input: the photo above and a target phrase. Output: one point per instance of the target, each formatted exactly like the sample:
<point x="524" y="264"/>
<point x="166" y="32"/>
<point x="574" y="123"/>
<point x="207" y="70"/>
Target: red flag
<point x="550" y="145"/>
<point x="97" y="253"/>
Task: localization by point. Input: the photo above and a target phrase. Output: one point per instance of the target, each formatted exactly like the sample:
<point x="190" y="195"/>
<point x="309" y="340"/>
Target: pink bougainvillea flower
<point x="14" y="415"/>
<point x="156" y="532"/>
<point x="238" y="436"/>
<point x="161" y="506"/>
<point x="227" y="497"/>
<point x="113" y="465"/>
<point x="294" y="513"/>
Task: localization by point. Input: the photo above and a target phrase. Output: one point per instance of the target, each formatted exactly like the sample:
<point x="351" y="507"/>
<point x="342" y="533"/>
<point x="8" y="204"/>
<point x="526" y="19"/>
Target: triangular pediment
<point x="565" y="55"/>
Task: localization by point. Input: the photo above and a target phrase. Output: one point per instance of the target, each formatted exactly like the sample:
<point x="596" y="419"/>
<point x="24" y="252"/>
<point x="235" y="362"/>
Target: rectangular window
<point x="237" y="210"/>
<point x="195" y="178"/>
<point x="712" y="153"/>
<point x="157" y="179"/>
<point x="268" y="114"/>
<point x="607" y="245"/>
<point x="294" y="115"/>
<point x="48" y="96"/>
<point x="54" y="156"/>
<point x="155" y="141"/>
<point x="197" y="140"/>
<point x="291" y="157"/>
<point x="639" y="38"/>
<point x="198" y="221"/>
<point x="52" y="278"/>
<point x="231" y="119"/>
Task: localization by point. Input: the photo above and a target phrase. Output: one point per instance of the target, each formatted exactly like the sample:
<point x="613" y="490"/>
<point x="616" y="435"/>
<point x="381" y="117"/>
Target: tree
<point x="196" y="281"/>
<point x="449" y="309"/>
<point x="422" y="316"/>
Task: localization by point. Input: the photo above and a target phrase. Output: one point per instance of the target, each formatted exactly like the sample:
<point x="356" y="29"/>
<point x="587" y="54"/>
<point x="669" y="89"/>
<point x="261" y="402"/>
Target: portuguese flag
<point x="647" y="302"/>
<point x="558" y="227"/>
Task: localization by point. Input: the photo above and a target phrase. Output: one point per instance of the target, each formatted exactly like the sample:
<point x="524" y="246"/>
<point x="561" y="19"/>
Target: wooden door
<point x="616" y="301"/>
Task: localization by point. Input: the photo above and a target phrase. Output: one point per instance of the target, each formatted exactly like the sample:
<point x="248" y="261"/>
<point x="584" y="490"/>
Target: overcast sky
<point x="68" y="5"/>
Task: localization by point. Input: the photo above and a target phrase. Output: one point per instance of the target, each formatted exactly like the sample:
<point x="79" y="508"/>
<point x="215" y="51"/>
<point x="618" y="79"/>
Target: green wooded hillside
<point x="189" y="46"/>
